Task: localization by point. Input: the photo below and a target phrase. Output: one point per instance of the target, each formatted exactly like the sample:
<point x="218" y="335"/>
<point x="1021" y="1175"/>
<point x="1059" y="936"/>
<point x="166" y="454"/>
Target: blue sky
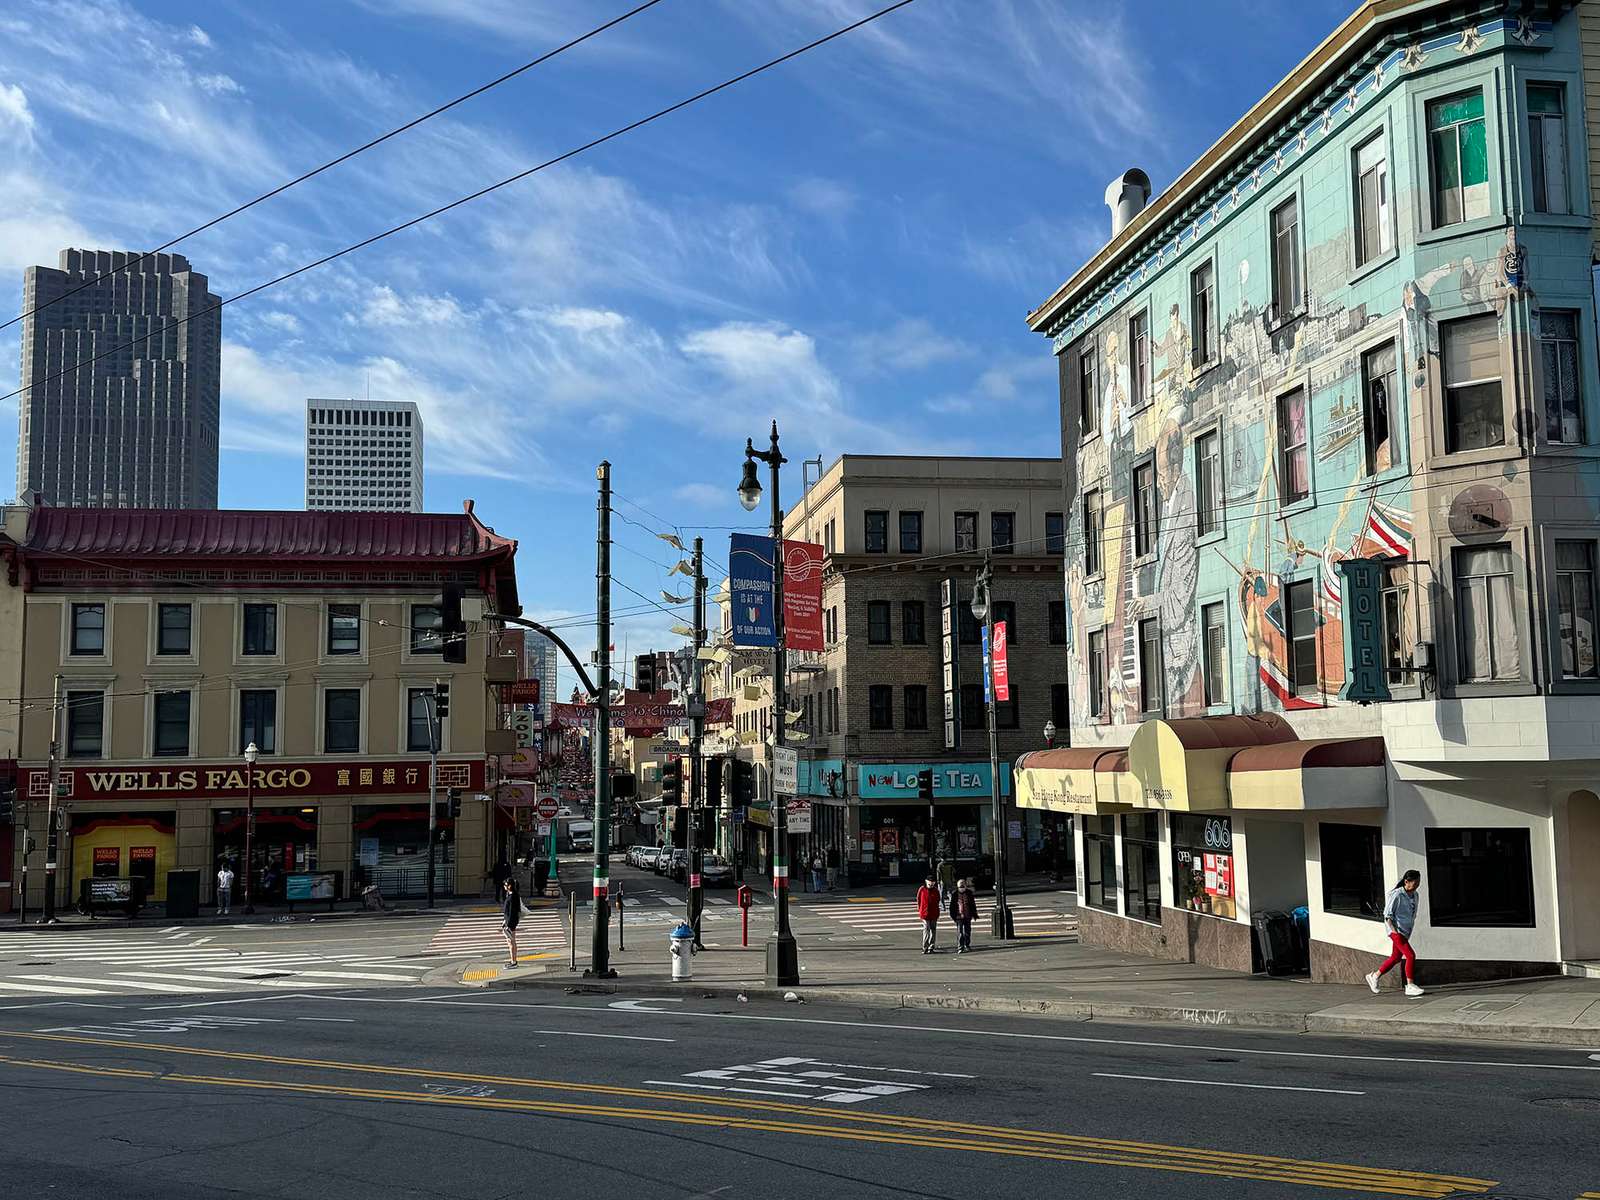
<point x="848" y="243"/>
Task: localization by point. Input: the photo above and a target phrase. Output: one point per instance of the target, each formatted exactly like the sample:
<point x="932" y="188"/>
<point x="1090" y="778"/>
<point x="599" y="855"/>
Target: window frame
<point x="1370" y="907"/>
<point x="1093" y="533"/>
<point x="1089" y="388"/>
<point x="1099" y="836"/>
<point x="919" y="692"/>
<point x="1008" y="713"/>
<point x="1576" y="343"/>
<point x="1148" y="859"/>
<point x="874" y="608"/>
<point x="1506" y="446"/>
<point x="1181" y="841"/>
<point x="1099" y="691"/>
<point x="74" y="708"/>
<point x="1009" y="546"/>
<point x="330" y="615"/>
<point x="1453" y="551"/>
<point x="1006" y="610"/>
<point x="1292" y="636"/>
<point x="1146" y="708"/>
<point x="867" y="516"/>
<point x="974" y="715"/>
<point x="1280" y="314"/>
<point x="1431" y="165"/>
<point x="157" y="696"/>
<point x="1282" y="449"/>
<point x="1224" y="672"/>
<point x="880" y="707"/>
<point x="162" y="608"/>
<point x="1138" y="333"/>
<point x="417" y="635"/>
<point x="411" y="689"/>
<point x="913" y="619"/>
<point x="1146" y="524"/>
<point x="1206" y="352"/>
<point x="1056" y="619"/>
<point x="242" y="642"/>
<point x="1388" y="241"/>
<point x="1540" y="120"/>
<point x="1561" y="682"/>
<point x="916" y="532"/>
<point x="1061" y="706"/>
<point x="1394" y="404"/>
<point x="1421" y="164"/>
<point x="239" y="719"/>
<point x="1439" y="890"/>
<point x="1055" y="543"/>
<point x="74" y="607"/>
<point x="964" y="545"/>
<point x="326" y="713"/>
<point x="1218" y="525"/>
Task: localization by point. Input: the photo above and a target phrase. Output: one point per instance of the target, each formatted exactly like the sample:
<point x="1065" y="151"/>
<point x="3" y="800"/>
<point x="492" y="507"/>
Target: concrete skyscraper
<point x="363" y="454"/>
<point x="136" y="428"/>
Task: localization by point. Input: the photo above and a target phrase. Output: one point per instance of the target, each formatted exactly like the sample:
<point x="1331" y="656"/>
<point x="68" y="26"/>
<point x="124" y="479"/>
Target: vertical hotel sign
<point x="952" y="665"/>
<point x="1366" y="676"/>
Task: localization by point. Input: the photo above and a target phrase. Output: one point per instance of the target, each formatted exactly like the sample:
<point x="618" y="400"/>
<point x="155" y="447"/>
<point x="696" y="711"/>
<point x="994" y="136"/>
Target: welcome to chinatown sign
<point x="279" y="780"/>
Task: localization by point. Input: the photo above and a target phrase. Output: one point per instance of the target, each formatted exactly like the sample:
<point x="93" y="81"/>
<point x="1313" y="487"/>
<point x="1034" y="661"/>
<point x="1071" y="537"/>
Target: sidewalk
<point x="1061" y="979"/>
<point x="153" y="915"/>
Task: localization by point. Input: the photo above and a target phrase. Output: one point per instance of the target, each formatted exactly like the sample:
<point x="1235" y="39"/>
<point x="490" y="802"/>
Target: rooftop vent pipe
<point x="1126" y="196"/>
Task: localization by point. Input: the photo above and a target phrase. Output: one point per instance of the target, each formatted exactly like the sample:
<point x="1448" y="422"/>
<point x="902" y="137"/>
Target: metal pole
<point x="249" y="830"/>
<point x="599" y="943"/>
<point x="435" y="733"/>
<point x="697" y="723"/>
<point x="783" y="955"/>
<point x="1000" y="920"/>
<point x="50" y="843"/>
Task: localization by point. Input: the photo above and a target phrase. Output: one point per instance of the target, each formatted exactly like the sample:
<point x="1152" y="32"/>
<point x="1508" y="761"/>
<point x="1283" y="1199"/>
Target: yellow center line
<point x="1352" y="1178"/>
<point x="1218" y="1158"/>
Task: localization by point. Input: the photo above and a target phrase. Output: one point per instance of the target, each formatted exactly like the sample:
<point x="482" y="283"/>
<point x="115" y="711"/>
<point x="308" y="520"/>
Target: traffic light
<point x="624" y="785"/>
<point x="454" y="799"/>
<point x="644" y="672"/>
<point x="672" y="782"/>
<point x="713" y="783"/>
<point x="677" y="828"/>
<point x="441" y="700"/>
<point x="8" y="806"/>
<point x="451" y="627"/>
<point x="925" y="784"/>
<point x="744" y="782"/>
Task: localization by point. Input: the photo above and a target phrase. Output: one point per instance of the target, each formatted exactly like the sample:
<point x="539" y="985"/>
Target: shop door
<point x="1583" y="840"/>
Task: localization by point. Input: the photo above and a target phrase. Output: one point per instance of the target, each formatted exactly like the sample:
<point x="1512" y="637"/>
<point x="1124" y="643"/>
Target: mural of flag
<point x="1390" y="529"/>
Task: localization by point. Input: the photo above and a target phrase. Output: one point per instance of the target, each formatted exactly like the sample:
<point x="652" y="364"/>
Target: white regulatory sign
<point x="785" y="771"/>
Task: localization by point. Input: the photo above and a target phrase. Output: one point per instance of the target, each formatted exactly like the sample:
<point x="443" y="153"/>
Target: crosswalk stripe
<point x="10" y="986"/>
<point x="122" y="976"/>
<point x="325" y="974"/>
<point x="154" y="987"/>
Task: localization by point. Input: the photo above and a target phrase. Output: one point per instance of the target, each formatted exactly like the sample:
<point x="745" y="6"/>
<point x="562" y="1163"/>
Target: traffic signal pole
<point x="696" y="709"/>
<point x="599" y="940"/>
<point x="51" y="836"/>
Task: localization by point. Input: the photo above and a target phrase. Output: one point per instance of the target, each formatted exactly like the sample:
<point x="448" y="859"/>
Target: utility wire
<point x="477" y="195"/>
<point x="345" y="157"/>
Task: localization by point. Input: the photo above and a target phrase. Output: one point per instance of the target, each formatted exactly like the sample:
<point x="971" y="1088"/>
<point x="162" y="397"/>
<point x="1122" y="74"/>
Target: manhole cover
<point x="1579" y="1103"/>
<point x="36" y="964"/>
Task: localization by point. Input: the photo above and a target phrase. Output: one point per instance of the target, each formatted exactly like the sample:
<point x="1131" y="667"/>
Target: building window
<point x="1138" y="360"/>
<point x="1144" y="509"/>
<point x="1098" y="701"/>
<point x="966" y="533"/>
<point x="1150" y="699"/>
<point x="1008" y="713"/>
<point x="973" y="713"/>
<point x="260" y="629"/>
<point x="1141" y="865"/>
<point x="1060" y="705"/>
<point x="1558" y="349"/>
<point x="341" y="726"/>
<point x="1547" y="147"/>
<point x="172" y="725"/>
<point x="1203" y="314"/>
<point x="1091" y="533"/>
<point x="1002" y="532"/>
<point x="88" y="629"/>
<point x="1486" y="615"/>
<point x="1214" y="648"/>
<point x="1480" y="878"/>
<point x="86" y="713"/>
<point x="1575" y="608"/>
<point x="419" y="719"/>
<point x="912" y="632"/>
<point x="173" y="632"/>
<point x="1294" y="456"/>
<point x="427" y="629"/>
<point x="1300" y="631"/>
<point x="1006" y="611"/>
<point x="1287" y="284"/>
<point x="1373" y="231"/>
<point x="1207" y="483"/>
<point x="1377" y="390"/>
<point x="1089" y="389"/>
<point x="1352" y="870"/>
<point x="880" y="706"/>
<point x="344" y="629"/>
<point x="877" y="531"/>
<point x="1058" y="622"/>
<point x="968" y="629"/>
<point x="1202" y="865"/>
<point x="916" y="706"/>
<point x="1458" y="158"/>
<point x="910" y="533"/>
<point x="1472" y="411"/>
<point x="258" y="720"/>
<point x="1398" y="639"/>
<point x="878" y="632"/>
<point x="1100" y="863"/>
<point x="1055" y="533"/>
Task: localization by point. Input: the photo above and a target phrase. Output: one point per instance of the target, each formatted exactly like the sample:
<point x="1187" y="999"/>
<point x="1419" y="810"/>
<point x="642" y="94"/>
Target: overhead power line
<point x="480" y="193"/>
<point x="345" y="157"/>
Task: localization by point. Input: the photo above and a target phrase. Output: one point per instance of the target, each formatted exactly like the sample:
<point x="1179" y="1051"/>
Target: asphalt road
<point x="445" y="1093"/>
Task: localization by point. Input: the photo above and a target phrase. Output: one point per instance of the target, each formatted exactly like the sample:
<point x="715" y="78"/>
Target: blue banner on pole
<point x="750" y="590"/>
<point x="988" y="684"/>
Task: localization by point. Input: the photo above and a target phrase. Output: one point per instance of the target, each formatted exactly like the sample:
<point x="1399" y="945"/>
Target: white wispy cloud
<point x="16" y="119"/>
<point x="826" y="198"/>
<point x="910" y="344"/>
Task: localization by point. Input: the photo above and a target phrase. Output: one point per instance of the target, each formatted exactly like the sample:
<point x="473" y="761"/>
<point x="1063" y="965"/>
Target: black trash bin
<point x="541" y="875"/>
<point x="1275" y="935"/>
<point x="183" y="893"/>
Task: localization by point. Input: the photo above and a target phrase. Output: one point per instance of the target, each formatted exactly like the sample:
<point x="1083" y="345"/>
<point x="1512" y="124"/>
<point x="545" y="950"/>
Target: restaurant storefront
<point x="895" y="839"/>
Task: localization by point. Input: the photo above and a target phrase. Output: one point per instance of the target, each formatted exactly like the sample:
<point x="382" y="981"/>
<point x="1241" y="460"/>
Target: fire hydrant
<point x="682" y="951"/>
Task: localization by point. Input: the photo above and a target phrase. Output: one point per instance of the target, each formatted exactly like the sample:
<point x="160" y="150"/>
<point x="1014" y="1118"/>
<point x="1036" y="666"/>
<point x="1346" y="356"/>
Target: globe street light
<point x="251" y="753"/>
<point x="1050" y="735"/>
<point x="749" y="482"/>
<point x="983" y="609"/>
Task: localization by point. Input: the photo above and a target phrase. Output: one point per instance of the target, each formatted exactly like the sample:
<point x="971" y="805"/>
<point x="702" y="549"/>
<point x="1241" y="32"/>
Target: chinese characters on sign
<point x="289" y="779"/>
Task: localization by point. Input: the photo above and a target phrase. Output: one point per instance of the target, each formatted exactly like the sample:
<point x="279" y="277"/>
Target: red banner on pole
<point x="802" y="596"/>
<point x="1002" y="670"/>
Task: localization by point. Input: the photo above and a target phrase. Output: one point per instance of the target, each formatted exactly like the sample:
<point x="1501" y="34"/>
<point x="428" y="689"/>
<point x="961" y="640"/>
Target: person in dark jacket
<point x="928" y="910"/>
<point x="512" y="903"/>
<point x="964" y="911"/>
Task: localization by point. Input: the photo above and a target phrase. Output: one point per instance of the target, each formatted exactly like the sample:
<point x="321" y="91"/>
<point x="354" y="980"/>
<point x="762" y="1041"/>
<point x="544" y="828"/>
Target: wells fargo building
<point x="180" y="637"/>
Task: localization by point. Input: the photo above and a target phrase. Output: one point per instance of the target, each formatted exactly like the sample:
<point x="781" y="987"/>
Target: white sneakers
<point x="1372" y="982"/>
<point x="1413" y="990"/>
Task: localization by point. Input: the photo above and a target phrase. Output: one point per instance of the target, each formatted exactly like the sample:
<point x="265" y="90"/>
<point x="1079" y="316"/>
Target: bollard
<point x="572" y="929"/>
<point x="622" y="939"/>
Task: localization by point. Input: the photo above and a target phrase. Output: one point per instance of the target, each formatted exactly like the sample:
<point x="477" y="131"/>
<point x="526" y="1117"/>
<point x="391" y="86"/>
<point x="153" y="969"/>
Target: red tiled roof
<point x="246" y="533"/>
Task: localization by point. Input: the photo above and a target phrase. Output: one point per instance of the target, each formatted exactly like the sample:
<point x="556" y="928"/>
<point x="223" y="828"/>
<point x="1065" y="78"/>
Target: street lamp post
<point x="1049" y="735"/>
<point x="983" y="609"/>
<point x="251" y="753"/>
<point x="783" y="955"/>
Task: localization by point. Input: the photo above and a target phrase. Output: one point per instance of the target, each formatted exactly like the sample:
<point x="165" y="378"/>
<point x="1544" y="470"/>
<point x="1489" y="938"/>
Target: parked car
<point x="715" y="871"/>
<point x="663" y="860"/>
<point x="646" y="858"/>
<point x="678" y="866"/>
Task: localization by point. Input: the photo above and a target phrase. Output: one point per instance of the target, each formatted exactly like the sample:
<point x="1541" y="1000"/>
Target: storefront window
<point x="1202" y="865"/>
<point x="1352" y="870"/>
<point x="1100" y="863"/>
<point x="284" y="843"/>
<point x="1480" y="877"/>
<point x="1141" y="865"/>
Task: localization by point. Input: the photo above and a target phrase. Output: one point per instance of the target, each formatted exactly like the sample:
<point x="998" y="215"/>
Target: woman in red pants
<point x="1400" y="917"/>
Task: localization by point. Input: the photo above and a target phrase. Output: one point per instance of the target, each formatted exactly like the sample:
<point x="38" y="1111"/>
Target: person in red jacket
<point x="928" y="910"/>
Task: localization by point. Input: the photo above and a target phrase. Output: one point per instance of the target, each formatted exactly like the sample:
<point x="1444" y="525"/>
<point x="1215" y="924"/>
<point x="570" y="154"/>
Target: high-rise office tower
<point x="137" y="426"/>
<point x="363" y="454"/>
<point x="539" y="654"/>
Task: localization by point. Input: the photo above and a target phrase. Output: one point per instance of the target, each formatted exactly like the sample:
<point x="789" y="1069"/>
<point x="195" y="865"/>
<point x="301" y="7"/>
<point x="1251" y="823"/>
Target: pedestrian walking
<point x="224" y="889"/>
<point x="819" y="877"/>
<point x="928" y="910"/>
<point x="964" y="911"/>
<point x="513" y="910"/>
<point x="1400" y="918"/>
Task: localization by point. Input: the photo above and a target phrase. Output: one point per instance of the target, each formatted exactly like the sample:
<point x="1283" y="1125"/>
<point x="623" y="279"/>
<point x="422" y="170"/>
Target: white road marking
<point x="341" y="1020"/>
<point x="247" y="971"/>
<point x="50" y="991"/>
<point x="1260" y="1087"/>
<point x="713" y="1087"/>
<point x="152" y="987"/>
<point x="621" y="1037"/>
<point x="122" y="977"/>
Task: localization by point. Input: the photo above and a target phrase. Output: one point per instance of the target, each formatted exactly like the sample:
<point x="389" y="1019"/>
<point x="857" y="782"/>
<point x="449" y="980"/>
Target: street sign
<point x="948" y="622"/>
<point x="785" y="771"/>
<point x="547" y="807"/>
<point x="1002" y="667"/>
<point x="799" y="816"/>
<point x="522" y="724"/>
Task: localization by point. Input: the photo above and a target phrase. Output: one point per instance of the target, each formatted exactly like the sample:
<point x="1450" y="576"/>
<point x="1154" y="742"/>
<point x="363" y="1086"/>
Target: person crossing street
<point x="928" y="910"/>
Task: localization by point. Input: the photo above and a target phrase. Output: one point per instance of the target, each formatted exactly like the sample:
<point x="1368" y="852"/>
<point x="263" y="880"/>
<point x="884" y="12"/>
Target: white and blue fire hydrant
<point x="682" y="950"/>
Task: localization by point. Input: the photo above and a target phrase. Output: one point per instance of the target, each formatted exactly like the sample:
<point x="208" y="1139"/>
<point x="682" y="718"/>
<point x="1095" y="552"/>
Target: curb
<point x="1076" y="1010"/>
